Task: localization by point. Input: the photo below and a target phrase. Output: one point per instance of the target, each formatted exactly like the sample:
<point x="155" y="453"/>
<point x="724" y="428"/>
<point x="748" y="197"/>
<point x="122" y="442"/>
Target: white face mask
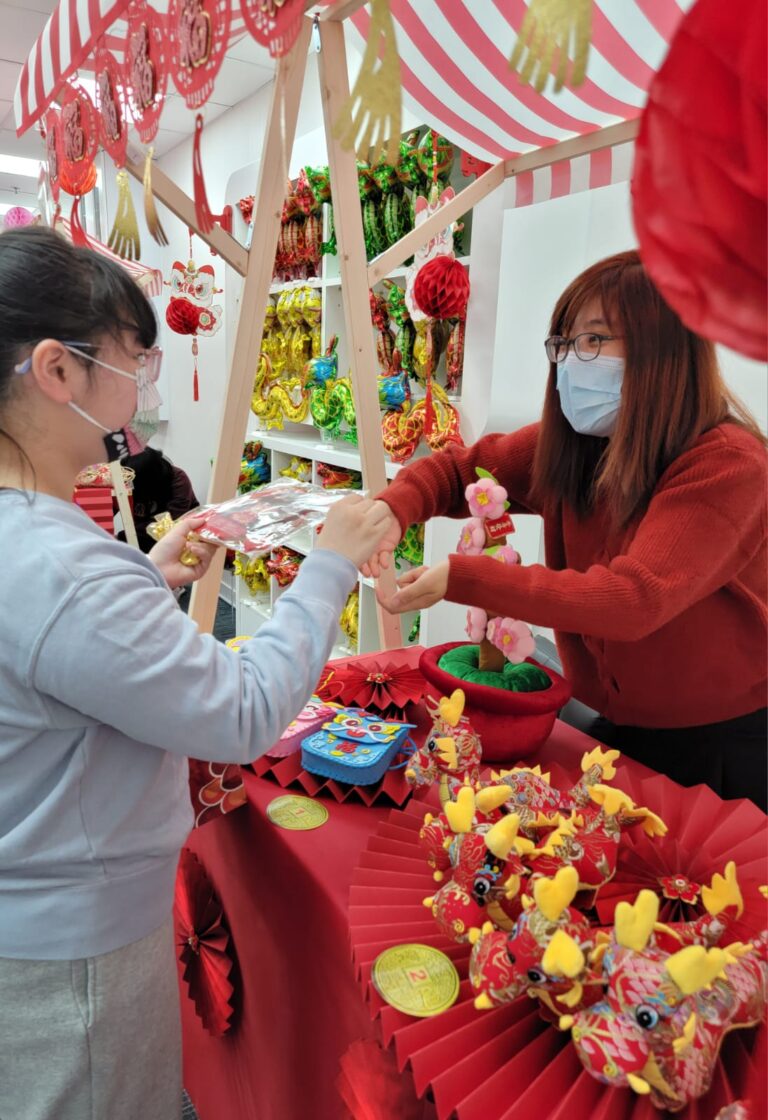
<point x="135" y="435"/>
<point x="590" y="393"/>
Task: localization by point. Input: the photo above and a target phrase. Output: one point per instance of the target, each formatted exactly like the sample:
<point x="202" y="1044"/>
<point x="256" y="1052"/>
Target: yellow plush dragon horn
<point x="562" y="957"/>
<point x="460" y="813"/>
<point x="451" y="708"/>
<point x="500" y="838"/>
<point x="723" y="892"/>
<point x="492" y="797"/>
<point x="695" y="967"/>
<point x="554" y="895"/>
<point x="633" y="923"/>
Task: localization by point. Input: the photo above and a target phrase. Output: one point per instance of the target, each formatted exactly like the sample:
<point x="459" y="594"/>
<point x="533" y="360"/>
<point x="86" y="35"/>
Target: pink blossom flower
<point x="506" y="554"/>
<point x="477" y="621"/>
<point x="512" y="637"/>
<point x="472" y="539"/>
<point x="486" y="499"/>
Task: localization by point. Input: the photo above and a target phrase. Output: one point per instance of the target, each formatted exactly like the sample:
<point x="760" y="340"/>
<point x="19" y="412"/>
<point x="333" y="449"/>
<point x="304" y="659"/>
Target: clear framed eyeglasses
<point x="586" y="346"/>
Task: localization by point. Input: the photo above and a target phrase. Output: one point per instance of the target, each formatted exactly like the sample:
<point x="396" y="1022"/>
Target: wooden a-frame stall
<point x="255" y="265"/>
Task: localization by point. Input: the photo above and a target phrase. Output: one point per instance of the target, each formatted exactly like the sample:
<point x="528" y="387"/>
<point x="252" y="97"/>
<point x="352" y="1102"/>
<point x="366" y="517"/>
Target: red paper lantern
<point x="441" y="288"/>
<point x="52" y="132"/>
<point x="182" y="316"/>
<point x="110" y="105"/>
<point x="699" y="182"/>
<point x="79" y="141"/>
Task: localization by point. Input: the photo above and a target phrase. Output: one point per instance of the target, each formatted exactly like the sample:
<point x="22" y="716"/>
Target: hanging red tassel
<point x="202" y="209"/>
<point x="195" y="382"/>
<point x="79" y="236"/>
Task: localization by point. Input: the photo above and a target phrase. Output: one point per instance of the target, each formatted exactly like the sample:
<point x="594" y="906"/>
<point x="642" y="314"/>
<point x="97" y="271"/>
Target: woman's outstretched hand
<point x="389" y="541"/>
<point x="417" y="590"/>
<point x="166" y="554"/>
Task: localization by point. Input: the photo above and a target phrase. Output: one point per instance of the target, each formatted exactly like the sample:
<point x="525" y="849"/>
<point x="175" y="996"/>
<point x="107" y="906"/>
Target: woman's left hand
<point x="166" y="554"/>
<point x="417" y="590"/>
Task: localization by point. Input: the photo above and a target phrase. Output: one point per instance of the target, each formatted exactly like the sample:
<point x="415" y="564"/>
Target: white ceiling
<point x="247" y="68"/>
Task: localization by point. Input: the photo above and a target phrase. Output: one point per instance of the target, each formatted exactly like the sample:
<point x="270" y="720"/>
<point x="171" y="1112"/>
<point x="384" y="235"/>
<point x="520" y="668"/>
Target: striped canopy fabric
<point x="150" y="280"/>
<point x="456" y="74"/>
<point x="455" y="66"/>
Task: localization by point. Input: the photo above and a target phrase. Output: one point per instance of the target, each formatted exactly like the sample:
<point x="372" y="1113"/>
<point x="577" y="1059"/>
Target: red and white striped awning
<point x="150" y="280"/>
<point x="455" y="67"/>
<point x="456" y="74"/>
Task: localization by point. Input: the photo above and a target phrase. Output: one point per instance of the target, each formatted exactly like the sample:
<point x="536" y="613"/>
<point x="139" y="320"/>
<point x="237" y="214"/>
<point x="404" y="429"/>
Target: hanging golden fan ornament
<point x="371" y="120"/>
<point x="553" y="31"/>
<point x="151" y="217"/>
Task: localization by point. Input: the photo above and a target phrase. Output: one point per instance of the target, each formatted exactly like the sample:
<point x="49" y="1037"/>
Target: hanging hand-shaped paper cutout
<point x="553" y="30"/>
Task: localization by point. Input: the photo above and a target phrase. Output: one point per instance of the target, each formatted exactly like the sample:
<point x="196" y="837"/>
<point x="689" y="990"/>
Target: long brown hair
<point x="672" y="392"/>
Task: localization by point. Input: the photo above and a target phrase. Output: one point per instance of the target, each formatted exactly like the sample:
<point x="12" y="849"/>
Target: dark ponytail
<point x="51" y="289"/>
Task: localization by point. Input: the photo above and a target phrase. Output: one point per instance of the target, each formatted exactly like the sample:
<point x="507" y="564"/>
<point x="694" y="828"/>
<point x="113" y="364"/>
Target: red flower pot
<point x="511" y="725"/>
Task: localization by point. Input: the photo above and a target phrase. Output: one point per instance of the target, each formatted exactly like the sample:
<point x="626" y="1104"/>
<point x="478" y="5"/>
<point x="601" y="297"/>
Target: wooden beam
<point x="180" y="204"/>
<point x="608" y="137"/>
<point x="393" y="257"/>
<point x="348" y="222"/>
<point x="270" y="193"/>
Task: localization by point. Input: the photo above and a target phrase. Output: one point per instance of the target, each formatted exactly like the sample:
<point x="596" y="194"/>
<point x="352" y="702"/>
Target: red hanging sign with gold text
<point x="145" y="69"/>
<point x="273" y="23"/>
<point x="79" y="141"/>
<point x="52" y="128"/>
<point x="110" y="106"/>
<point x="199" y="36"/>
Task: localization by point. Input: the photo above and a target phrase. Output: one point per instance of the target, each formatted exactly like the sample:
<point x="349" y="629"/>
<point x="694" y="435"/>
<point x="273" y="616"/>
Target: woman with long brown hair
<point x="651" y="480"/>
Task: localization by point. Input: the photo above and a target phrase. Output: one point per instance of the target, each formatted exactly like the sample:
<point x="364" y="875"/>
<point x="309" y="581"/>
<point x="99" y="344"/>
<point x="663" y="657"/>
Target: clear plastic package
<point x="262" y="519"/>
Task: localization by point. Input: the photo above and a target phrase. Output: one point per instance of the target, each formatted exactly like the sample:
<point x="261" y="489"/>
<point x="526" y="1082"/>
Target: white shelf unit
<point x="444" y="622"/>
<point x="253" y="611"/>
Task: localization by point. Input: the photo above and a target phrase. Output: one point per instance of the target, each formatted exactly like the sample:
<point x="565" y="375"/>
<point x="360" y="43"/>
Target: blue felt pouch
<point x="354" y="747"/>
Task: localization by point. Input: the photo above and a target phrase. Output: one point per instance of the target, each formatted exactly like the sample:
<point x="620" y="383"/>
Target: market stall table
<point x="298" y="1006"/>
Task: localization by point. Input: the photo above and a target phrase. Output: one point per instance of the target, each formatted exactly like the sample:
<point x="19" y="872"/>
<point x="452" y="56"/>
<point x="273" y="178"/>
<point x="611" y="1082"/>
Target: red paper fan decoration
<point x="110" y="106"/>
<point x="145" y="72"/>
<point x="704" y="833"/>
<point x="52" y="129"/>
<point x="198" y="31"/>
<point x="699" y="181"/>
<point x="203" y="945"/>
<point x="273" y="23"/>
<point x="506" y="1063"/>
<point x="441" y="288"/>
<point x="378" y="686"/>
<point x="79" y="140"/>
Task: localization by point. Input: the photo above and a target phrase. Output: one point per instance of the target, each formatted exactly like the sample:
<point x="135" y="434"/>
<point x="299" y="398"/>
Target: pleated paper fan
<point x="704" y="833"/>
<point x="506" y="1063"/>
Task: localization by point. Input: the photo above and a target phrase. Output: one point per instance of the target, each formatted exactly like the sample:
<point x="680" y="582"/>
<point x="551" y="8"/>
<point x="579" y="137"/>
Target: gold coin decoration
<point x="299" y="814"/>
<point x="416" y="979"/>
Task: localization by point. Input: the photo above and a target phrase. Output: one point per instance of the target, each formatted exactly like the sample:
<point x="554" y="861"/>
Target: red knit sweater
<point x="661" y="624"/>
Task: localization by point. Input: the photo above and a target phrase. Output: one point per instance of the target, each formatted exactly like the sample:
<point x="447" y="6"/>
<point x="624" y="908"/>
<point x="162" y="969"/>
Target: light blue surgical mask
<point x="590" y="393"/>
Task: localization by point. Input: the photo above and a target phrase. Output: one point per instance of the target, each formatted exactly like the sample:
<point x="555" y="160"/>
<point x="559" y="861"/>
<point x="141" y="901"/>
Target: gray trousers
<point x="92" y="1039"/>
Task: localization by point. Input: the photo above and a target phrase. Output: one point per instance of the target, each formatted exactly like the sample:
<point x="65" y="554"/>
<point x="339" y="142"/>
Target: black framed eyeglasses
<point x="586" y="346"/>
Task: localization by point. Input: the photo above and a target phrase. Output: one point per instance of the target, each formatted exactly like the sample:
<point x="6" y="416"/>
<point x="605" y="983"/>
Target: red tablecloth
<point x="285" y="896"/>
<point x="299" y="1009"/>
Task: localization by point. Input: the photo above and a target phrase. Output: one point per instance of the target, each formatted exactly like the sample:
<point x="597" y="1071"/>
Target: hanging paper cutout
<point x="52" y="132"/>
<point x="145" y="72"/>
<point x="372" y="116"/>
<point x="273" y="23"/>
<point x="191" y="309"/>
<point x="199" y="35"/>
<point x="151" y="216"/>
<point x="553" y="30"/>
<point x="79" y="141"/>
<point x="110" y="105"/>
